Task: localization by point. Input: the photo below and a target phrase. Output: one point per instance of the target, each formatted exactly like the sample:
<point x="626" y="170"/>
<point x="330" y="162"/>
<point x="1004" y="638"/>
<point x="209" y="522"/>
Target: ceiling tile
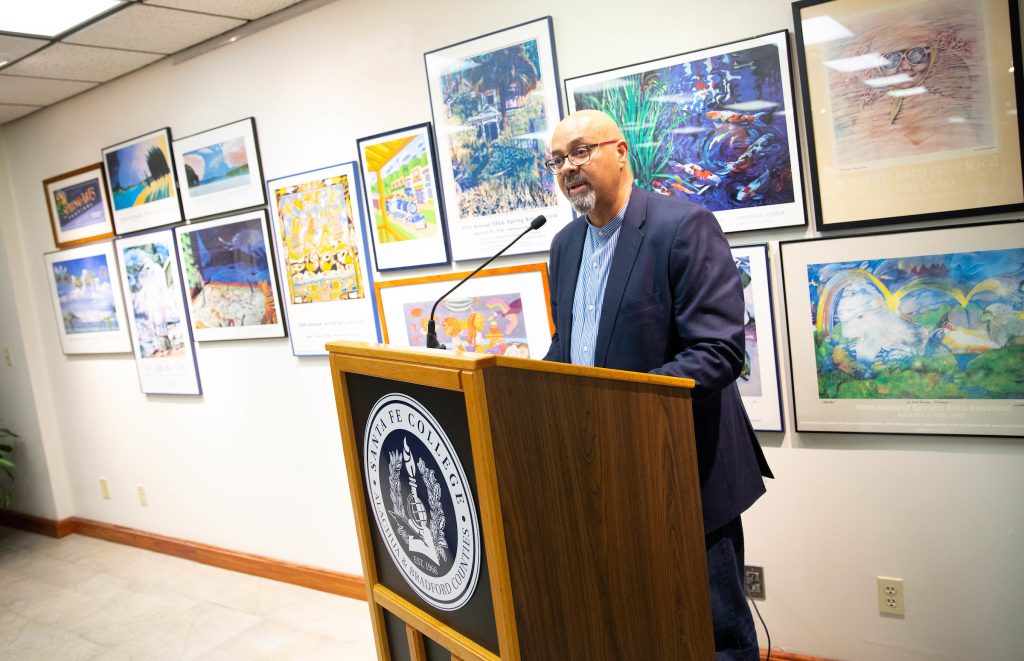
<point x="12" y="48"/>
<point x="38" y="91"/>
<point x="80" y="63"/>
<point x="249" y="9"/>
<point x="9" y="111"/>
<point x="153" y="29"/>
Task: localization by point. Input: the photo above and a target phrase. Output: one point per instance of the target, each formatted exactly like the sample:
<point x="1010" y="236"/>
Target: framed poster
<point x="220" y="170"/>
<point x="161" y="336"/>
<point x="230" y="284"/>
<point x="321" y="251"/>
<point x="504" y="310"/>
<point x="911" y="108"/>
<point x="715" y="126"/>
<point x="759" y="380"/>
<point x="78" y="206"/>
<point x="141" y="183"/>
<point x="909" y="333"/>
<point x="87" y="299"/>
<point x="495" y="104"/>
<point x="403" y="200"/>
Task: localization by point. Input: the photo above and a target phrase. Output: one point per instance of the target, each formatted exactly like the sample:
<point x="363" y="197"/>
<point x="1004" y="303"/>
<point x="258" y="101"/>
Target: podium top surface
<point x="476" y="361"/>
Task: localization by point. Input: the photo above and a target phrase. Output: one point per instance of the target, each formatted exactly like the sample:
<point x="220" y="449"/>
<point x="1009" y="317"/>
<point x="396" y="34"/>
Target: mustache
<point x="575" y="177"/>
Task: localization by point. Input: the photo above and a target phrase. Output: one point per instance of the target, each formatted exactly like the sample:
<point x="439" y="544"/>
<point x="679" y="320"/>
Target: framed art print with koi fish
<point x="326" y="276"/>
<point x="502" y="311"/>
<point x="715" y="126"/>
<point x="141" y="183"/>
<point x="911" y="108"/>
<point x="909" y="333"/>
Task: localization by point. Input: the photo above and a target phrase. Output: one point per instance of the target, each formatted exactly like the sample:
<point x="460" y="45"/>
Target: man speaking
<point x="646" y="283"/>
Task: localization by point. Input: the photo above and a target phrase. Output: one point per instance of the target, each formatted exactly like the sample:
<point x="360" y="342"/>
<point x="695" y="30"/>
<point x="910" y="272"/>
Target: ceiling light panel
<point x="49" y="18"/>
<point x="248" y="9"/>
<point x="86" y="63"/>
<point x="153" y="29"/>
<point x="38" y="91"/>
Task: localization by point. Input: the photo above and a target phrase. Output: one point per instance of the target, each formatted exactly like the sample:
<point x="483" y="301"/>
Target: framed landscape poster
<point x="715" y="126"/>
<point x="914" y="333"/>
<point x="503" y="311"/>
<point x="220" y="170"/>
<point x="759" y="380"/>
<point x="406" y="217"/>
<point x="87" y="300"/>
<point x="495" y="104"/>
<point x="322" y="258"/>
<point x="78" y="206"/>
<point x="141" y="183"/>
<point x="161" y="336"/>
<point x="230" y="284"/>
<point x="911" y="108"/>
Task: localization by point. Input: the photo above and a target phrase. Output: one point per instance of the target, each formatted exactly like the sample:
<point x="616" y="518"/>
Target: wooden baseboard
<point x="346" y="585"/>
<point x="778" y="655"/>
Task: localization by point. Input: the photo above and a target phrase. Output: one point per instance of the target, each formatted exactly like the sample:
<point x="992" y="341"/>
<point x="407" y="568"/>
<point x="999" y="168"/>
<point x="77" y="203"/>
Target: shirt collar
<point x="612" y="226"/>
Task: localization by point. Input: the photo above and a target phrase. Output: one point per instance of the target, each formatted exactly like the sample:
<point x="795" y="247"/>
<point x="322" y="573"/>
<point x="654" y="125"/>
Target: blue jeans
<point x="735" y="638"/>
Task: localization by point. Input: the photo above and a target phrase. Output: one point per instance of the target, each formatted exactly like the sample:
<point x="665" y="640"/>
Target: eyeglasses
<point x="578" y="156"/>
<point x="915" y="56"/>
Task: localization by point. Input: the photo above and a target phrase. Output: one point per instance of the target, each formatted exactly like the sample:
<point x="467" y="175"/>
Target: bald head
<point x="600" y="186"/>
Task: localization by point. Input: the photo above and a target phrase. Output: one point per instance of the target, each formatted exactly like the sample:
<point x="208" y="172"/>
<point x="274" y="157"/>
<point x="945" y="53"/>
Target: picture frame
<point x="322" y="256"/>
<point x="759" y="381"/>
<point x="160" y="330"/>
<point x="908" y="333"/>
<point x="893" y="141"/>
<point x="492" y="139"/>
<point x="141" y="182"/>
<point x="220" y="170"/>
<point x="87" y="300"/>
<point x="402" y="192"/>
<point x="230" y="278"/>
<point x="504" y="310"/>
<point x="78" y="206"/>
<point x="715" y="126"/>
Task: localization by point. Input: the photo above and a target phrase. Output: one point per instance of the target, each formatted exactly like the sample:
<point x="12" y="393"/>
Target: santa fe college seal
<point x="421" y="501"/>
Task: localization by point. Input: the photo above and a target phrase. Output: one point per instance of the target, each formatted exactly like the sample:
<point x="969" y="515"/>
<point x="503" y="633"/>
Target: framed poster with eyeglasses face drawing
<point x="141" y="182"/>
<point x="406" y="217"/>
<point x="495" y="104"/>
<point x="716" y="127"/>
<point x="908" y="333"/>
<point x="911" y="108"/>
<point x="78" y="206"/>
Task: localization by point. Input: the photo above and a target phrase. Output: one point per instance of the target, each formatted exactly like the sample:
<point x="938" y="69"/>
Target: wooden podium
<point x="517" y="509"/>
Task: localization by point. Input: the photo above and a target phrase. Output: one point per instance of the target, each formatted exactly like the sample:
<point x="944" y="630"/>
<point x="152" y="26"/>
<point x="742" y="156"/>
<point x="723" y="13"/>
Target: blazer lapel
<point x="570" y="271"/>
<point x="626" y="249"/>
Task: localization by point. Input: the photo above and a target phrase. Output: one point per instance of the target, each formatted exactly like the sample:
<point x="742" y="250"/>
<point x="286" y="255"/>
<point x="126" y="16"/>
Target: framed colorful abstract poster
<point x="322" y="257"/>
<point x="759" y="380"/>
<point x="78" y="206"/>
<point x="502" y="311"/>
<point x="715" y="126"/>
<point x="230" y="284"/>
<point x="910" y="333"/>
<point x="87" y="300"/>
<point x="161" y="335"/>
<point x="220" y="170"/>
<point x="403" y="199"/>
<point x="141" y="183"/>
<point x="495" y="104"/>
<point x="911" y="108"/>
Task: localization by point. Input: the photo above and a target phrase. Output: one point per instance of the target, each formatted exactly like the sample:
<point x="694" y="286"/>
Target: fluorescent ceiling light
<point x="856" y="63"/>
<point x="888" y="81"/>
<point x="913" y="91"/>
<point x="48" y="18"/>
<point x="820" y="29"/>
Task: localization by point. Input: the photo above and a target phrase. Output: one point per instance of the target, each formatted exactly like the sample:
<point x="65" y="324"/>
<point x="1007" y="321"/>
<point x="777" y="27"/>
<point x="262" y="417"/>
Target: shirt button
<point x="590" y="307"/>
<point x="595" y="265"/>
<point x="586" y="349"/>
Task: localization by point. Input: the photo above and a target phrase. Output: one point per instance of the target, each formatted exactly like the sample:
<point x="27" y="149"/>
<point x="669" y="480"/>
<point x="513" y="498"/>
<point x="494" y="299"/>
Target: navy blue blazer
<point x="673" y="305"/>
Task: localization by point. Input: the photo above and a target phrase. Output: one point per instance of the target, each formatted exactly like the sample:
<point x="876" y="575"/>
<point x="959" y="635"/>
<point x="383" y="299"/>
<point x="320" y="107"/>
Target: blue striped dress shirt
<point x="598" y="250"/>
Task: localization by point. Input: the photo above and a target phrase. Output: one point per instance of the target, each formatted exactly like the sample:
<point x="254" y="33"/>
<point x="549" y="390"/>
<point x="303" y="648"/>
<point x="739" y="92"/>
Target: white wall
<point x="255" y="464"/>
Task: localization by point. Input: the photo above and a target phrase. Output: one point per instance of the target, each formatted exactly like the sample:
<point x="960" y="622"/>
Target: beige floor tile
<point x="187" y="634"/>
<point x="45" y="642"/>
<point x="267" y="640"/>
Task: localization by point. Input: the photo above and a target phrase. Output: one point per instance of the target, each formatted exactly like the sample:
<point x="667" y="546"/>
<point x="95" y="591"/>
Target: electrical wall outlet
<point x="753" y="579"/>
<point x="890" y="595"/>
<point x="7" y="357"/>
<point x="104" y="488"/>
<point x="143" y="500"/>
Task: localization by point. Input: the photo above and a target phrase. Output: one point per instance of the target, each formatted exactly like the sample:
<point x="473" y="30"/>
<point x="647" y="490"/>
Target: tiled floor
<point x="83" y="598"/>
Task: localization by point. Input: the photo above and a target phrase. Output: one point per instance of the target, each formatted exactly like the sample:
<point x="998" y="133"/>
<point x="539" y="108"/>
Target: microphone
<point x="432" y="342"/>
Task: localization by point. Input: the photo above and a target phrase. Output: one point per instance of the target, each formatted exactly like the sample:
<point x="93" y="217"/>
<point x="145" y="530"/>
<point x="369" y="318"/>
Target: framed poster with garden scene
<point x="495" y="104"/>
